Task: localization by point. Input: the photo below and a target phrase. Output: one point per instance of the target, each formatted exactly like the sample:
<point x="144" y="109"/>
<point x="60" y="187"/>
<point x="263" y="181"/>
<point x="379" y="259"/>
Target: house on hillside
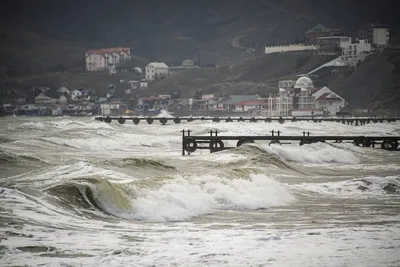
<point x="156" y="70"/>
<point x="46" y="98"/>
<point x="328" y="101"/>
<point x="106" y="58"/>
<point x="357" y="52"/>
<point x="153" y="103"/>
<point x="134" y="85"/>
<point x="206" y="102"/>
<point x="252" y="106"/>
<point x="75" y="95"/>
<point x="185" y="65"/>
<point x="230" y="103"/>
<point x="320" y="31"/>
<point x="332" y="45"/>
<point x="43" y="98"/>
<point x="377" y="35"/>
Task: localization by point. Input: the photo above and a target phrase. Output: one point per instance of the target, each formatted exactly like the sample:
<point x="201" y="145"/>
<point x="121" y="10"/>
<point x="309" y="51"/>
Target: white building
<point x="331" y="45"/>
<point x="75" y="95"/>
<point x="142" y="84"/>
<point x="289" y="48"/>
<point x="106" y="58"/>
<point x="287" y="84"/>
<point x="110" y="109"/>
<point x="185" y="65"/>
<point x="328" y="101"/>
<point x="188" y="63"/>
<point x="303" y="99"/>
<point x="379" y="36"/>
<point x="156" y="70"/>
<point x="356" y="52"/>
<point x="251" y="105"/>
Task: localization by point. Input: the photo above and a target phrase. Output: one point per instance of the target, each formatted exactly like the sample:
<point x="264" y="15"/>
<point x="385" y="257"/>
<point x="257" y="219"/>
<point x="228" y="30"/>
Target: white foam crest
<point x="221" y="157"/>
<point x="355" y="188"/>
<point x="52" y="175"/>
<point x="33" y="125"/>
<point x="65" y="124"/>
<point x="164" y="114"/>
<point x="351" y="147"/>
<point x="313" y="153"/>
<point x="116" y="142"/>
<point x="7" y="192"/>
<point x="183" y="198"/>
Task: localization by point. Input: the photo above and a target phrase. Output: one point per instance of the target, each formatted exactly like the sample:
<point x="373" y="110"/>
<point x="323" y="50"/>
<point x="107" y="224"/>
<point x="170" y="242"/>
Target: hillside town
<point x="293" y="97"/>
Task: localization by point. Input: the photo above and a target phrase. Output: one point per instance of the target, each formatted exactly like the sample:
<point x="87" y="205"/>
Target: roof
<point x="255" y="102"/>
<point x="333" y="37"/>
<point x="307" y="109"/>
<point x="50" y="94"/>
<point x="41" y="93"/>
<point x="108" y="50"/>
<point x="158" y="64"/>
<point x="63" y="90"/>
<point x="233" y="99"/>
<point x="319" y="28"/>
<point x="325" y="96"/>
<point x="379" y="25"/>
<point x="150" y="98"/>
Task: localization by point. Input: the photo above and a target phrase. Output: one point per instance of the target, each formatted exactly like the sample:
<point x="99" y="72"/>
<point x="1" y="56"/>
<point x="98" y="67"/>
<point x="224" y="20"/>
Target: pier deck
<point x="214" y="142"/>
<point x="177" y="120"/>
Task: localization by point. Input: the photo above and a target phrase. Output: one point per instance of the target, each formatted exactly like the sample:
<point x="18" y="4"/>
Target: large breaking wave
<point x="174" y="198"/>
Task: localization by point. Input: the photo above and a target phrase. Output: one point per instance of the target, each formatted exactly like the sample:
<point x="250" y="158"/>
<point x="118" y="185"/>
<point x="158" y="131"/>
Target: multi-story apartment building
<point x="106" y="58"/>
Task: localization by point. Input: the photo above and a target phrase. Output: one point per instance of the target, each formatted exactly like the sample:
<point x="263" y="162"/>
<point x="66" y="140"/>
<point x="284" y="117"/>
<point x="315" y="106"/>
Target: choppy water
<point x="78" y="192"/>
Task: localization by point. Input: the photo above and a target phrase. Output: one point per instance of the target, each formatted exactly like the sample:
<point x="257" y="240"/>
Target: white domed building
<point x="303" y="99"/>
<point x="63" y="90"/>
<point x="304" y="82"/>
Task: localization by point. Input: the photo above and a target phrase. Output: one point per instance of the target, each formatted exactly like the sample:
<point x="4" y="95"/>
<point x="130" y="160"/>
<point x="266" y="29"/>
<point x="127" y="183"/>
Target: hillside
<point x="99" y="81"/>
<point x="52" y="35"/>
<point x="42" y="39"/>
<point x="374" y="84"/>
<point x="257" y="75"/>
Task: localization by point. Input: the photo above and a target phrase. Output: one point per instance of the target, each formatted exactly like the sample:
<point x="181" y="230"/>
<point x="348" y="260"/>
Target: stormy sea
<point x="80" y="192"/>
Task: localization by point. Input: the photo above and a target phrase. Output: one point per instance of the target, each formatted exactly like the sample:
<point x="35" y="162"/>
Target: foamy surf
<point x="179" y="198"/>
<point x="164" y="114"/>
<point x="365" y="187"/>
<point x="185" y="197"/>
<point x="313" y="153"/>
<point x="112" y="194"/>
